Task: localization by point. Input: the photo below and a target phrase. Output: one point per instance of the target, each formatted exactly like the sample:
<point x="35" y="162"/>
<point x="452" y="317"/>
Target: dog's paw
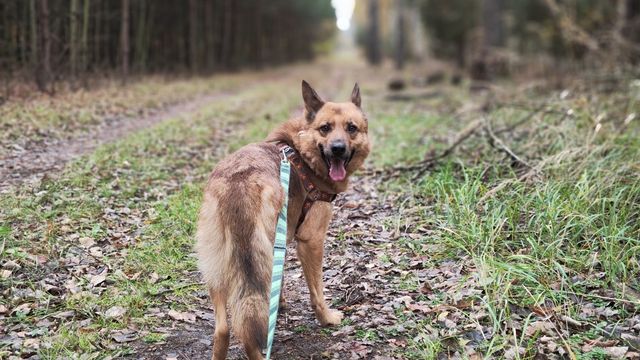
<point x="331" y="317"/>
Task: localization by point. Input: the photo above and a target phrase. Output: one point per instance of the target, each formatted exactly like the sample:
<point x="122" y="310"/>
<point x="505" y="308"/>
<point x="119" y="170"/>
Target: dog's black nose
<point x="338" y="148"/>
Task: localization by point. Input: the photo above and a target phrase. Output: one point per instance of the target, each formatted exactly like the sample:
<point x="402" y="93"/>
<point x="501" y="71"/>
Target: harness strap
<point x="279" y="251"/>
<point x="313" y="193"/>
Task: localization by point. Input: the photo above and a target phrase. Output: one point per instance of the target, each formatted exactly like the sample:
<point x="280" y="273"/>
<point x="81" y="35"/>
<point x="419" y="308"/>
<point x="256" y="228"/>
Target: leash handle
<point x="279" y="252"/>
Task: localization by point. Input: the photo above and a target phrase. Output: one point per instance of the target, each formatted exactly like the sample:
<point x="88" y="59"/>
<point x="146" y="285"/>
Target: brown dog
<point x="242" y="199"/>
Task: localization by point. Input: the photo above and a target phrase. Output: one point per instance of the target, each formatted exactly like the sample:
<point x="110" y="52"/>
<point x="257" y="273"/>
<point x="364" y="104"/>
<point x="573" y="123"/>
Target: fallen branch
<point x="498" y="144"/>
<point x="175" y="288"/>
<point x="491" y="193"/>
<point x="459" y="139"/>
<point x="524" y="119"/>
<point x="428" y="162"/>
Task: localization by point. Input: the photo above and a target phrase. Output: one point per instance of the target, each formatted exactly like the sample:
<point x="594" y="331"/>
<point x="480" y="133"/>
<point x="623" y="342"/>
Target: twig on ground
<point x="176" y="288"/>
<point x="498" y="144"/>
<point x="527" y="107"/>
<point x="425" y="164"/>
<point x="524" y="119"/>
<point x="422" y="166"/>
<point x="526" y="176"/>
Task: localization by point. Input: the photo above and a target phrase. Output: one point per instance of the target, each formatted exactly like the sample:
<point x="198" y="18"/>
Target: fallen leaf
<point x="153" y="278"/>
<point x="182" y="316"/>
<point x="115" y="311"/>
<point x="539" y="326"/>
<point x="86" y="242"/>
<point x="11" y="265"/>
<point x="96" y="251"/>
<point x="512" y="352"/>
<point x="64" y="314"/>
<point x="5" y="274"/>
<point x="31" y="343"/>
<point x="23" y="309"/>
<point x="124" y="336"/>
<point x="98" y="279"/>
<point x="616" y="352"/>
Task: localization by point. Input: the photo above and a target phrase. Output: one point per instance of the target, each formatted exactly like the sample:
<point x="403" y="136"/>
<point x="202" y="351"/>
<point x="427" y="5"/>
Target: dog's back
<point x="235" y="236"/>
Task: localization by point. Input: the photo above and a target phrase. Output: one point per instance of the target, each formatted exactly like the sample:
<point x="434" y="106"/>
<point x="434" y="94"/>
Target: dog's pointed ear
<point x="355" y="95"/>
<point x="312" y="101"/>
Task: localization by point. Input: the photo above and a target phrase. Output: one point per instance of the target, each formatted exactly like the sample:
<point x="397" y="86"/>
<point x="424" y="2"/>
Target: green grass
<point x="72" y="112"/>
<point x="571" y="230"/>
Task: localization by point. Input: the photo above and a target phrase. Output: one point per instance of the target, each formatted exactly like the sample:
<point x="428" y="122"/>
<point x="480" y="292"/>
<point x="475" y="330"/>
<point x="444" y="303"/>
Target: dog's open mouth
<point x="337" y="165"/>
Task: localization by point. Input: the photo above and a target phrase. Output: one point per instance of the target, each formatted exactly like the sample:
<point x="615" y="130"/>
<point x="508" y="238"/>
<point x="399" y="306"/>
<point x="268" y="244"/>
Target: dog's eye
<point x="352" y="128"/>
<point x="325" y="128"/>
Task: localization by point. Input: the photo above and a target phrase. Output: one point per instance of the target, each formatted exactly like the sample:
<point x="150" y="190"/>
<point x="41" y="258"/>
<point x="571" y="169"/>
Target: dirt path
<point x="28" y="165"/>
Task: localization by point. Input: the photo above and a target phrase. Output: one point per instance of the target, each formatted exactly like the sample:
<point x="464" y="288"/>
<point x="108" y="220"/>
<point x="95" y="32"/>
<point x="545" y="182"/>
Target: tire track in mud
<point x="30" y="165"/>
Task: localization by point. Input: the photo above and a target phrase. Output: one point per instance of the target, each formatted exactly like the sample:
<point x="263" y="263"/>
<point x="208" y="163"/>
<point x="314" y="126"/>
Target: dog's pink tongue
<point x="337" y="172"/>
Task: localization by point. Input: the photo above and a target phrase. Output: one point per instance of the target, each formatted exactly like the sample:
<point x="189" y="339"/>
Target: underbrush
<point x="546" y="216"/>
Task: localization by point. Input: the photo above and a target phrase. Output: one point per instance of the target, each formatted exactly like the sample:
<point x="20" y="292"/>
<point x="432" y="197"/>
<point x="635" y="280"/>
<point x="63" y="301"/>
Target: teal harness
<point x="279" y="251"/>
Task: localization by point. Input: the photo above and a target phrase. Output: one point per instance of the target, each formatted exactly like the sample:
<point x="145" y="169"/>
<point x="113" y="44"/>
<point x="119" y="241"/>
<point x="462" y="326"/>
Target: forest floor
<point x="502" y="223"/>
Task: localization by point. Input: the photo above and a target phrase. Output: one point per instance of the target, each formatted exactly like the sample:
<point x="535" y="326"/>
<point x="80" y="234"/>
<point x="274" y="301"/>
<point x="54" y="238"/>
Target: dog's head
<point x="335" y="141"/>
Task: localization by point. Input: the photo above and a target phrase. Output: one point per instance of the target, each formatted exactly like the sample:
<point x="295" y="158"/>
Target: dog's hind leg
<point x="310" y="245"/>
<point x="221" y="334"/>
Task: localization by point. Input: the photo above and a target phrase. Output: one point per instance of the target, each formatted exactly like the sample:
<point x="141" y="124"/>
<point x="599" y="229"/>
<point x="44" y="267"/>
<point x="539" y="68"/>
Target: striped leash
<point x="279" y="251"/>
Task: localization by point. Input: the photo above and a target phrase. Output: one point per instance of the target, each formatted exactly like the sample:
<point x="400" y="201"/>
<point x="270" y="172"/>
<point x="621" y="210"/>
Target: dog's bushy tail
<point x="235" y="254"/>
<point x="250" y="317"/>
<point x="243" y="274"/>
<point x="249" y="300"/>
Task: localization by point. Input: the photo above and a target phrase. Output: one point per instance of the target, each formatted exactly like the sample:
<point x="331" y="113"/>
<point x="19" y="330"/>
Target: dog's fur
<point x="236" y="228"/>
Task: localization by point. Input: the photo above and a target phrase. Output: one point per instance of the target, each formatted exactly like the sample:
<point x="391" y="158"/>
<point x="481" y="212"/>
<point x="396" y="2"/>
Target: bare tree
<point x="193" y="36"/>
<point x="33" y="21"/>
<point x="124" y="39"/>
<point x="43" y="69"/>
<point x="401" y="36"/>
<point x="492" y="23"/>
<point x="73" y="38"/>
<point x="84" y="39"/>
<point x="373" y="41"/>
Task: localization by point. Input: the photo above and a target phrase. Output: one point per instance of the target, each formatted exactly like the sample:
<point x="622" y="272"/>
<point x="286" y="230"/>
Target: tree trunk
<point x="43" y="71"/>
<point x="209" y="34"/>
<point x="97" y="16"/>
<point x="33" y="19"/>
<point x="84" y="40"/>
<point x="399" y="56"/>
<point x="193" y="36"/>
<point x="492" y="23"/>
<point x="141" y="37"/>
<point x="373" y="41"/>
<point x="106" y="37"/>
<point x="73" y="37"/>
<point x="226" y="40"/>
<point x="24" y="31"/>
<point x="124" y="40"/>
<point x="257" y="46"/>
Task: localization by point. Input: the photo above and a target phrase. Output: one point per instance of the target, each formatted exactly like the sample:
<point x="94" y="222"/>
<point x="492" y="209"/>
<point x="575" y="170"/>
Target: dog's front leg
<point x="310" y="236"/>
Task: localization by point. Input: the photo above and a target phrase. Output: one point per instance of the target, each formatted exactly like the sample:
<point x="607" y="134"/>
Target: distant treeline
<point x="51" y="39"/>
<point x="464" y="31"/>
<point x="560" y="28"/>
